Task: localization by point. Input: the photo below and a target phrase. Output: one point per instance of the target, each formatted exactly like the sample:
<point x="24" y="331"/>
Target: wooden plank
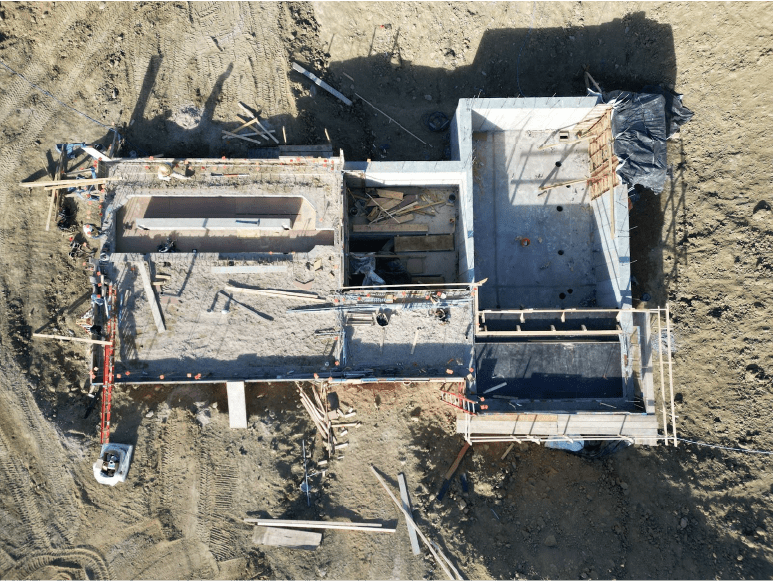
<point x="407" y="506"/>
<point x="59" y="184"/>
<point x="309" y="523"/>
<point x="361" y="527"/>
<point x="320" y="83"/>
<point x="277" y="293"/>
<point x="670" y="369"/>
<point x="237" y="405"/>
<point x="561" y="184"/>
<point x="432" y="243"/>
<point x="458" y="460"/>
<point x="292" y="539"/>
<point x="440" y="561"/>
<point x="383" y="203"/>
<point x="95" y="153"/>
<point x="387" y="228"/>
<point x="75" y="339"/>
<point x="229" y="134"/>
<point x="389" y="194"/>
<point x="592" y="332"/>
<point x="50" y="210"/>
<point x="154" y="308"/>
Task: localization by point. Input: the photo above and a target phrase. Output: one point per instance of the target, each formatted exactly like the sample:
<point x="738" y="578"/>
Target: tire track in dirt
<point x="54" y="517"/>
<point x="269" y="62"/>
<point x="37" y="71"/>
<point x="41" y="116"/>
<point x="178" y="470"/>
<point x="84" y="557"/>
<point x="217" y="484"/>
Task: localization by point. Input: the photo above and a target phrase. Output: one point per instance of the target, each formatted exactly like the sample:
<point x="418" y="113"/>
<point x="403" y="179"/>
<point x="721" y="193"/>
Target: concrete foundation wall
<point x="534" y="113"/>
<point x="616" y="249"/>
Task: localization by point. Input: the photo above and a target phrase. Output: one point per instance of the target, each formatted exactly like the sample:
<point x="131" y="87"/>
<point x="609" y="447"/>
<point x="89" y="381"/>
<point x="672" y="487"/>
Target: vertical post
<point x="611" y="177"/>
<point x="60" y="168"/>
<point x="670" y="371"/>
<point x="662" y="380"/>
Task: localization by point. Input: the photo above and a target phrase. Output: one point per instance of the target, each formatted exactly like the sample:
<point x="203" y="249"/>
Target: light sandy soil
<point x="177" y="71"/>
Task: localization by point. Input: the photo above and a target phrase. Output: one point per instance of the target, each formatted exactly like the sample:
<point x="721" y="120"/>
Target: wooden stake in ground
<point x="440" y="560"/>
<point x="450" y="473"/>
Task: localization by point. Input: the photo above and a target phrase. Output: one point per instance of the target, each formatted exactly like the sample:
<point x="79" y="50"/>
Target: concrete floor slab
<point x="538" y="249"/>
<point x="551" y="370"/>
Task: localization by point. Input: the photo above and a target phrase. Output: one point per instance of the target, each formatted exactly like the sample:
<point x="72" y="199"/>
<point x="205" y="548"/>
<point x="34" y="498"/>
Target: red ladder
<point x="459" y="402"/>
<point x="108" y="372"/>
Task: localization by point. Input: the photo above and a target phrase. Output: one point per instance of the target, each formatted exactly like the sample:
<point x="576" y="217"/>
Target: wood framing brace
<point x="552" y="333"/>
<point x="603" y="163"/>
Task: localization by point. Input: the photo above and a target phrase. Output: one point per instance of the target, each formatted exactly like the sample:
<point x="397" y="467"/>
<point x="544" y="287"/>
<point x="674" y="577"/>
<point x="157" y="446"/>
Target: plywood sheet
<point x="424" y="243"/>
<point x="291" y="538"/>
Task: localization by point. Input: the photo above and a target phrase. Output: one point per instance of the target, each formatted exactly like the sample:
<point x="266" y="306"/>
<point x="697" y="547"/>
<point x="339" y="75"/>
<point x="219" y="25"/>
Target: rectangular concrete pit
<point x="539" y="249"/>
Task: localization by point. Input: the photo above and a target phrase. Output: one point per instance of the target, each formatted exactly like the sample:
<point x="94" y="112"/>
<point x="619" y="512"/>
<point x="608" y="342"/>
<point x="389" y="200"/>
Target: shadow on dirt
<point x="542" y="512"/>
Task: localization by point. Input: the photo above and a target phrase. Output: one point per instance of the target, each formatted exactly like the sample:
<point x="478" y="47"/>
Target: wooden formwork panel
<point x="603" y="163"/>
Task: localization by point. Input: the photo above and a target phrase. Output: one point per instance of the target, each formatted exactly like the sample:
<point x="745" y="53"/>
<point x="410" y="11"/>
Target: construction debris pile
<point x="323" y="408"/>
<point x="392" y="207"/>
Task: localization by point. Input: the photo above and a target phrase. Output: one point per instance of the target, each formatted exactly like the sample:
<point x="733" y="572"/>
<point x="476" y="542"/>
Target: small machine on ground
<point x="113" y="464"/>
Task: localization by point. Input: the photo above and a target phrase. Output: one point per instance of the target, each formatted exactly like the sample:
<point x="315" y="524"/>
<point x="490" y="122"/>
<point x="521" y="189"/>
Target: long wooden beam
<point x="544" y="189"/>
<point x="76" y="339"/>
<point x="58" y="185"/>
<point x="519" y="311"/>
<point x="592" y="333"/>
<point x="670" y="370"/>
<point x="309" y="524"/>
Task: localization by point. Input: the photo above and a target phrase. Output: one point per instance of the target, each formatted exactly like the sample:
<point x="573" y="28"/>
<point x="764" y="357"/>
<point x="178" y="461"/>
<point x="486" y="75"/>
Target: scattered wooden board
<point x="384" y="203"/>
<point x="60" y="184"/>
<point x="76" y="339"/>
<point x="290" y="538"/>
<point x="320" y="83"/>
<point x="389" y="194"/>
<point x="390" y="228"/>
<point x="154" y="308"/>
<point x="438" y="242"/>
<point x="407" y="507"/>
<point x="321" y="524"/>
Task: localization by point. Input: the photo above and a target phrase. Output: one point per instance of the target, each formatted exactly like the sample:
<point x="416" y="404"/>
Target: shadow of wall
<point x="626" y="53"/>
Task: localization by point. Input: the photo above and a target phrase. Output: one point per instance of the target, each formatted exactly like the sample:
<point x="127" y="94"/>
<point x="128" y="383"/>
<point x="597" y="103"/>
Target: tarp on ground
<point x="641" y="124"/>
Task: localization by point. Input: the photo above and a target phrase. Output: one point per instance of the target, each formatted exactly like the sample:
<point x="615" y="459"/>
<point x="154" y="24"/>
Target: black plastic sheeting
<point x="641" y="124"/>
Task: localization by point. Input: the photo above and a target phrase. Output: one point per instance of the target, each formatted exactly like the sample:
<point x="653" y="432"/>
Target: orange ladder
<point x="108" y="373"/>
<point x="459" y="401"/>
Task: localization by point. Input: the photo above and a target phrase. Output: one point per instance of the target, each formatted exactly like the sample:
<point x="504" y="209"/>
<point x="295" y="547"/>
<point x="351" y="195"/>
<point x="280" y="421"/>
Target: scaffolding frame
<point x="665" y="384"/>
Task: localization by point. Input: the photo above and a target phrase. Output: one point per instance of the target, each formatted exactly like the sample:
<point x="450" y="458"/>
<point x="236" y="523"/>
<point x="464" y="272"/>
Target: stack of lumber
<point x="317" y="406"/>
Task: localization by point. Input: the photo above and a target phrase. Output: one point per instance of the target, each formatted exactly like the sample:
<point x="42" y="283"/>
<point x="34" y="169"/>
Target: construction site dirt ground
<point x="174" y="74"/>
